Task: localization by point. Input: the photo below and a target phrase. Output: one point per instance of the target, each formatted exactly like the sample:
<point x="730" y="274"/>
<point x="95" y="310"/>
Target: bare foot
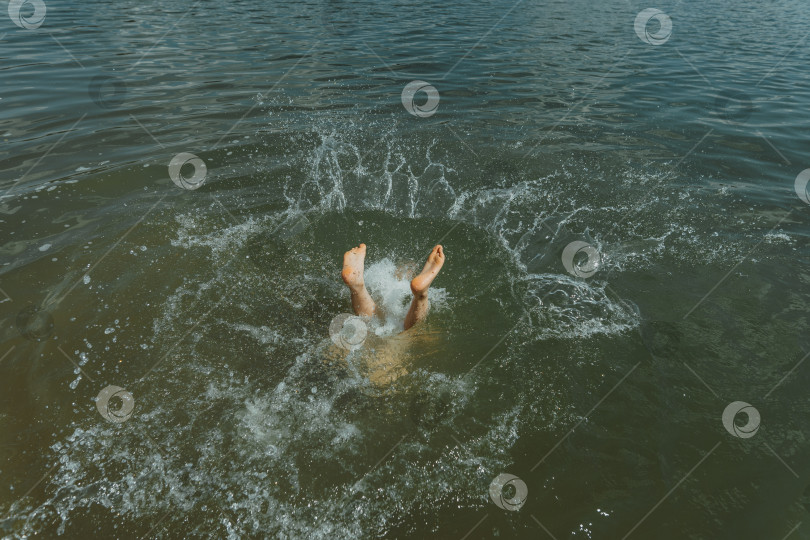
<point x="353" y="264"/>
<point x="420" y="284"/>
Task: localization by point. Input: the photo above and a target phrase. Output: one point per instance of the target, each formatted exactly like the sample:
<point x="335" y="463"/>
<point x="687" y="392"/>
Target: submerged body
<point x="385" y="360"/>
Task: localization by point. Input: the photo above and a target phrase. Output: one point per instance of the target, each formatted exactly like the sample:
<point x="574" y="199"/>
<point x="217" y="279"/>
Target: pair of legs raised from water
<point x="353" y="264"/>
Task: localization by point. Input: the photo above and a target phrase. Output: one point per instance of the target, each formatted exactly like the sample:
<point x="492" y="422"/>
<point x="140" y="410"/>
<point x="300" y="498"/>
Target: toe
<point x="438" y="254"/>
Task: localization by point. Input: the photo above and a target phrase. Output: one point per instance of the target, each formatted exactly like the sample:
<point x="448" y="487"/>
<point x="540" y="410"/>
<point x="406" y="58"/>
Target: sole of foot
<point x="420" y="284"/>
<point x="353" y="264"/>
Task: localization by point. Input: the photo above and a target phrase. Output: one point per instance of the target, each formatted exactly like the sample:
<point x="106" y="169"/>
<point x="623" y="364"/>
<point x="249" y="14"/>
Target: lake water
<point x="620" y="327"/>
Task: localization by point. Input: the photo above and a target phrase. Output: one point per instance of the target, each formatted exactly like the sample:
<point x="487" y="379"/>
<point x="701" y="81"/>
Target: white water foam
<point x="390" y="286"/>
<point x="259" y="475"/>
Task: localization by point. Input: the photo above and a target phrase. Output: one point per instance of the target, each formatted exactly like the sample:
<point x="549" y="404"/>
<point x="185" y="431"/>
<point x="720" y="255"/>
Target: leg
<point x="419" y="287"/>
<point x="353" y="264"/>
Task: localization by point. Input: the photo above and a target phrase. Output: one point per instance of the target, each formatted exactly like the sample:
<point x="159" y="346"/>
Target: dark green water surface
<point x="673" y="154"/>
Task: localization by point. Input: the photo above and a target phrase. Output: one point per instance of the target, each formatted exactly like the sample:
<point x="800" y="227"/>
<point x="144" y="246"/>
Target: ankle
<point x="357" y="288"/>
<point x="419" y="294"/>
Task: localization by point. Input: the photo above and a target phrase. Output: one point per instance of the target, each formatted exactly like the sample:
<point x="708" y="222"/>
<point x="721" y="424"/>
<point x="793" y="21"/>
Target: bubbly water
<point x="212" y="307"/>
